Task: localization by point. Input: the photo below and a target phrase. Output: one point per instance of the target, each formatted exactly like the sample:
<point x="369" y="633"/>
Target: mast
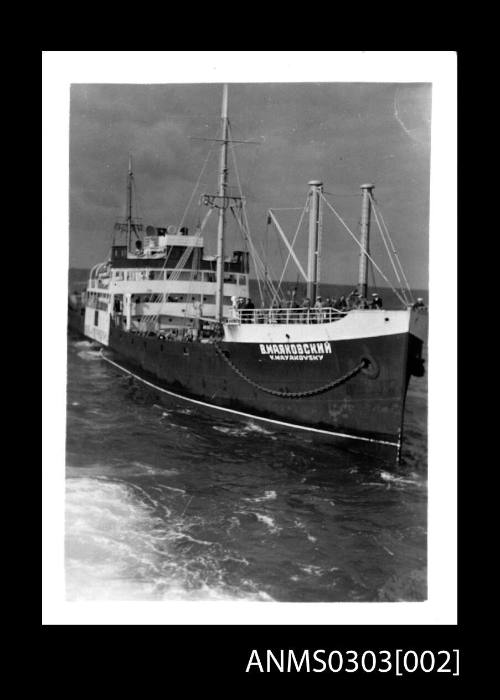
<point x="314" y="226"/>
<point x="129" y="202"/>
<point x="219" y="296"/>
<point x="365" y="239"/>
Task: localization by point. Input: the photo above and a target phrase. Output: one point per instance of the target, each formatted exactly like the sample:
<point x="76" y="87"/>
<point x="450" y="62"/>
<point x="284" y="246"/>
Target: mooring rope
<point x="293" y="394"/>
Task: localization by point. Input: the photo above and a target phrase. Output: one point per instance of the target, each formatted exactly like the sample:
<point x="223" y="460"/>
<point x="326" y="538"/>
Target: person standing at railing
<point x="328" y="309"/>
<point x="249" y="310"/>
<point x="240" y="304"/>
<point x="234" y="304"/>
<point x="318" y="307"/>
<point x="293" y="306"/>
<point x="306" y="310"/>
<point x="261" y="314"/>
<point x="353" y="299"/>
<point x="273" y="316"/>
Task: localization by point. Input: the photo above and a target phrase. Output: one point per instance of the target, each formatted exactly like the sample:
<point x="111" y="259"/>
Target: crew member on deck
<point x="292" y="305"/>
<point x="376" y="302"/>
<point x="353" y="299"/>
<point x="248" y="310"/>
<point x="318" y="306"/>
<point x="306" y="307"/>
<point x="234" y="304"/>
<point x="419" y="304"/>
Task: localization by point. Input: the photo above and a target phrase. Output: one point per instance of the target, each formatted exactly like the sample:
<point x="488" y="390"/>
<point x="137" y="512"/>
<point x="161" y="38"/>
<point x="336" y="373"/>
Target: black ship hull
<point x="364" y="413"/>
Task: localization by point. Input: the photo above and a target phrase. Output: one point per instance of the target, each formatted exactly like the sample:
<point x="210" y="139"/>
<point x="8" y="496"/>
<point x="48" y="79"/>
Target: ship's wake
<point x="121" y="546"/>
<point x="89" y="354"/>
<point x="244" y="430"/>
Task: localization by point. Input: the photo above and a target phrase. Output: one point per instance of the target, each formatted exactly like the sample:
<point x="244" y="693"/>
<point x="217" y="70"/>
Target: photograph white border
<point x="62" y="68"/>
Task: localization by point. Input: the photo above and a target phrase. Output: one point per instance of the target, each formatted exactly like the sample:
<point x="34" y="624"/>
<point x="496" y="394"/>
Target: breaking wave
<point x="119" y="548"/>
<point x="401" y="480"/>
<point x="242" y="431"/>
<point x="90" y="355"/>
<point x="268" y="496"/>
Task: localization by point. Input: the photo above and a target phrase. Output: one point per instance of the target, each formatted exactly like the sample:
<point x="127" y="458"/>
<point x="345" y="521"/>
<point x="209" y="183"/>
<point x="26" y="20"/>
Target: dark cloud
<point x="344" y="134"/>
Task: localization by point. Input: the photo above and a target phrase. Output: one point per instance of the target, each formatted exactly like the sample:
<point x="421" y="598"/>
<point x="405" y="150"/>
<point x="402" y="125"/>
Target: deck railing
<point x="283" y="315"/>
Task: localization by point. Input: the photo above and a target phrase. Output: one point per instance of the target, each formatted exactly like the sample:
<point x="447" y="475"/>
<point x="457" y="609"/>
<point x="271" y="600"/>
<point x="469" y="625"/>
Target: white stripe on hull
<point x="248" y="415"/>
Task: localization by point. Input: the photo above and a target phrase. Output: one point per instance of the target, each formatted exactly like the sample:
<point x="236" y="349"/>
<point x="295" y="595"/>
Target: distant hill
<point x="78" y="277"/>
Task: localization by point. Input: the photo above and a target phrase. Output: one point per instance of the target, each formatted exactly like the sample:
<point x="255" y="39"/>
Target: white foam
<point x="269" y="521"/>
<point x="118" y="549"/>
<point x="89" y="355"/>
<point x="257" y="428"/>
<point x="268" y="496"/>
<point x="243" y="431"/>
<point x="312" y="570"/>
<point x="393" y="478"/>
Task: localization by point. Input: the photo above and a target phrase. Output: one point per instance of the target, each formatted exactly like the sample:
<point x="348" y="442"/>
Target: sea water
<point x="166" y="503"/>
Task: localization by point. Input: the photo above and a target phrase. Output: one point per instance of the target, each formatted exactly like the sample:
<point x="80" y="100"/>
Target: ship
<point x="171" y="316"/>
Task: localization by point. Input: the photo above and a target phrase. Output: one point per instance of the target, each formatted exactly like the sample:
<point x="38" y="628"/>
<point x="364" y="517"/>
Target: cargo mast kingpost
<point x="366" y="191"/>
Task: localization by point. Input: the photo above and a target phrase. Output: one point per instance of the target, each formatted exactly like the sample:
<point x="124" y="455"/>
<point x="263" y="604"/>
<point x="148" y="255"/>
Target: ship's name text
<point x="295" y="351"/>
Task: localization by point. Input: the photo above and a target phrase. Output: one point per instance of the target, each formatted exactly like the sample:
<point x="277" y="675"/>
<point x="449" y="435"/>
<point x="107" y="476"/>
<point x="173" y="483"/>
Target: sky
<point x="344" y="134"/>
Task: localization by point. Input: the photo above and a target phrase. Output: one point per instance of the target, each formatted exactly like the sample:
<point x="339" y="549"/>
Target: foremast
<point x="219" y="295"/>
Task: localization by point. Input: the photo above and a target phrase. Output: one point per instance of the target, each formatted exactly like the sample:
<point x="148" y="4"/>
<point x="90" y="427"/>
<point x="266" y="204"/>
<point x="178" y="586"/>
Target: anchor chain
<point x="293" y="394"/>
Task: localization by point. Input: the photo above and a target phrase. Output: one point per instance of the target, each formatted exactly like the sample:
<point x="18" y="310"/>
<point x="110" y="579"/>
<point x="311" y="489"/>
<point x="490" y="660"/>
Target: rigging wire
<point x="388" y="250"/>
<point x="363" y="250"/>
<point x="151" y="319"/>
<point x="301" y="218"/>
<point x="412" y="299"/>
<point x="197" y="185"/>
<point x="246" y="228"/>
